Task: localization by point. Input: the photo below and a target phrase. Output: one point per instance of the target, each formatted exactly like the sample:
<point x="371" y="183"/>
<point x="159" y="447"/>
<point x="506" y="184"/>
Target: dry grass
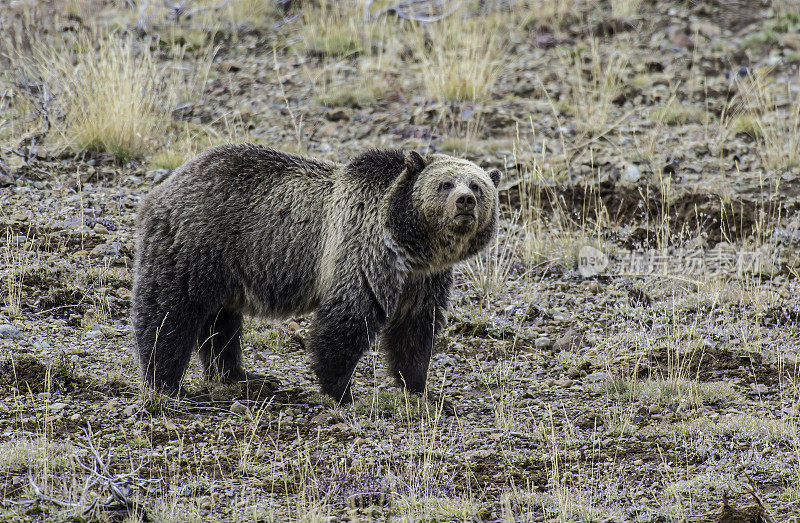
<point x="596" y="79"/>
<point x="14" y="266"/>
<point x="674" y="113"/>
<point x="759" y="112"/>
<point x="255" y="12"/>
<point x="555" y="237"/>
<point x="436" y="509"/>
<point x="334" y="29"/>
<point x="625" y="8"/>
<point x="460" y="57"/>
<point x="551" y="13"/>
<point x="490" y="271"/>
<point x="778" y="137"/>
<point x="112" y="91"/>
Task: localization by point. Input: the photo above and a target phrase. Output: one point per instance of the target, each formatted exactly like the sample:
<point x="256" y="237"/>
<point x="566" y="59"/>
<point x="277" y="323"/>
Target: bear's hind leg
<point x="220" y="346"/>
<point x="165" y="341"/>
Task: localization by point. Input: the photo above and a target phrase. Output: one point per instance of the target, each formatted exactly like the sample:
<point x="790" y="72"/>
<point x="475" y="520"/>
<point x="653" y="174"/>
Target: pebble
<point x="99" y="228"/>
<point x="9" y="332"/>
<point x="238" y="408"/>
<point x="324" y="418"/>
<point x="654" y="409"/>
<point x="57" y="407"/>
<point x="107" y="249"/>
<point x="564" y="383"/>
<point x="573" y="372"/>
<point x="93" y="334"/>
<point x="338" y="114"/>
<point x="543" y="343"/>
<point x="158" y="174"/>
<point x="631" y="173"/>
<point x="597" y="376"/>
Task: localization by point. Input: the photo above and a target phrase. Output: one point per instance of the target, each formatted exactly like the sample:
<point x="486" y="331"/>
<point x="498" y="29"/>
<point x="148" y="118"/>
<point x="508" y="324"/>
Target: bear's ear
<point x="495" y="175"/>
<point x="415" y="163"/>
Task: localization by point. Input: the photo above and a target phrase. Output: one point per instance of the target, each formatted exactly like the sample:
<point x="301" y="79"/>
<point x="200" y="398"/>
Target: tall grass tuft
<point x="113" y="96"/>
<point x="115" y="102"/>
<point x="461" y="57"/>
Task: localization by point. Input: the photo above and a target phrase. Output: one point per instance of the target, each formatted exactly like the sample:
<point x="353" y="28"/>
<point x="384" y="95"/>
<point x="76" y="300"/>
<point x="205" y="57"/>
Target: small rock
<point x="229" y="66"/>
<point x="130" y="410"/>
<point x="158" y="175"/>
<point x="568" y="341"/>
<point x="238" y="408"/>
<point x="57" y="407"/>
<point x="597" y="376"/>
<point x="792" y="40"/>
<point x="654" y="409"/>
<point x="681" y="38"/>
<point x="631" y="173"/>
<point x="337" y="115"/>
<point x="543" y="343"/>
<point x="107" y="249"/>
<point x="564" y="383"/>
<point x="9" y="332"/>
<point x="573" y="372"/>
<point x="324" y="418"/>
<point x="99" y="228"/>
<point x="445" y="360"/>
<point x="591" y="286"/>
<point x="479" y="454"/>
<point x="75" y="418"/>
<point x="93" y="334"/>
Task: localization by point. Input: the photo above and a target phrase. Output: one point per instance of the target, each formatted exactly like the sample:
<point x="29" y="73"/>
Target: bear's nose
<point x="465" y="202"/>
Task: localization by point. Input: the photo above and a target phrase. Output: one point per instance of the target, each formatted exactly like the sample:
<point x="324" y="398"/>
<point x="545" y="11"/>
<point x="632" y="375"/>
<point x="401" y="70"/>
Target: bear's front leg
<point x="341" y="333"/>
<point x="408" y="337"/>
<point x="408" y="343"/>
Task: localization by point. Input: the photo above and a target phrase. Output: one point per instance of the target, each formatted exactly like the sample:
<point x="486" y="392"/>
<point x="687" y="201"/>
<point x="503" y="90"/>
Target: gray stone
<point x="107" y="249"/>
<point x="631" y="173"/>
<point x="9" y="332"/>
<point x="597" y="376"/>
<point x="238" y="408"/>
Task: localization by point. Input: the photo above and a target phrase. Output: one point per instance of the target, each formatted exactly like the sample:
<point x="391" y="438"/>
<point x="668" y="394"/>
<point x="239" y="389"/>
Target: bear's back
<point x="250" y="162"/>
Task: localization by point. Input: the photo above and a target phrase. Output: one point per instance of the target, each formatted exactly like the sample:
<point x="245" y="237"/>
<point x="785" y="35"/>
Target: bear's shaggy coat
<point x="368" y="246"/>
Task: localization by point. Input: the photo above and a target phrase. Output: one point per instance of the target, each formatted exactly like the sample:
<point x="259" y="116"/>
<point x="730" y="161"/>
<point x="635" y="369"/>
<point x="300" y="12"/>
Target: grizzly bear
<point x="368" y="246"/>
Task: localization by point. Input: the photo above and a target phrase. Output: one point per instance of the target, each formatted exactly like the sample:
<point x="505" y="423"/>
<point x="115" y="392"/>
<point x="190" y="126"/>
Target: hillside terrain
<point x="627" y="350"/>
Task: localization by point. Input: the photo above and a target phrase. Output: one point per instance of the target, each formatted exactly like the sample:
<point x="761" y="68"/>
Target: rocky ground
<point x="627" y="351"/>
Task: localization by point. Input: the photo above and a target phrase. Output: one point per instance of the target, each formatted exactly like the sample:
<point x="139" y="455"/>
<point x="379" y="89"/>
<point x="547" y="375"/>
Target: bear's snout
<point x="465" y="201"/>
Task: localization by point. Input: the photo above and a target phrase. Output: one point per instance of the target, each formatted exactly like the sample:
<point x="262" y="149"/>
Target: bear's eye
<point x="474" y="187"/>
<point x="446" y="186"/>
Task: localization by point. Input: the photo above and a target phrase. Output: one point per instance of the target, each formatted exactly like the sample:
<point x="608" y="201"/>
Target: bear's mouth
<point x="464" y="218"/>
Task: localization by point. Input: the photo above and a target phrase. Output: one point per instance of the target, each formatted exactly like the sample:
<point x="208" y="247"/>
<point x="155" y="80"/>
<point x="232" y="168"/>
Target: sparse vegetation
<point x="643" y="392"/>
<point x="460" y="57"/>
<point x="595" y="81"/>
<point x="115" y="104"/>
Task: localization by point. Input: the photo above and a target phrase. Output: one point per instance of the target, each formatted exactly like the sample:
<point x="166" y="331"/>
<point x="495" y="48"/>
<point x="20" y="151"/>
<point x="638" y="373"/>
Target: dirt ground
<point x="627" y="351"/>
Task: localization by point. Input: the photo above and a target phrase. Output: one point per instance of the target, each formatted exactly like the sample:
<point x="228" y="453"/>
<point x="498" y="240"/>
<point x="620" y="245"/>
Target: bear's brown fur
<point x="367" y="245"/>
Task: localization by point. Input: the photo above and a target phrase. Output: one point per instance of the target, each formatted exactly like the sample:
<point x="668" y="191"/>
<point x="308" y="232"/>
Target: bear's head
<point x="450" y="208"/>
